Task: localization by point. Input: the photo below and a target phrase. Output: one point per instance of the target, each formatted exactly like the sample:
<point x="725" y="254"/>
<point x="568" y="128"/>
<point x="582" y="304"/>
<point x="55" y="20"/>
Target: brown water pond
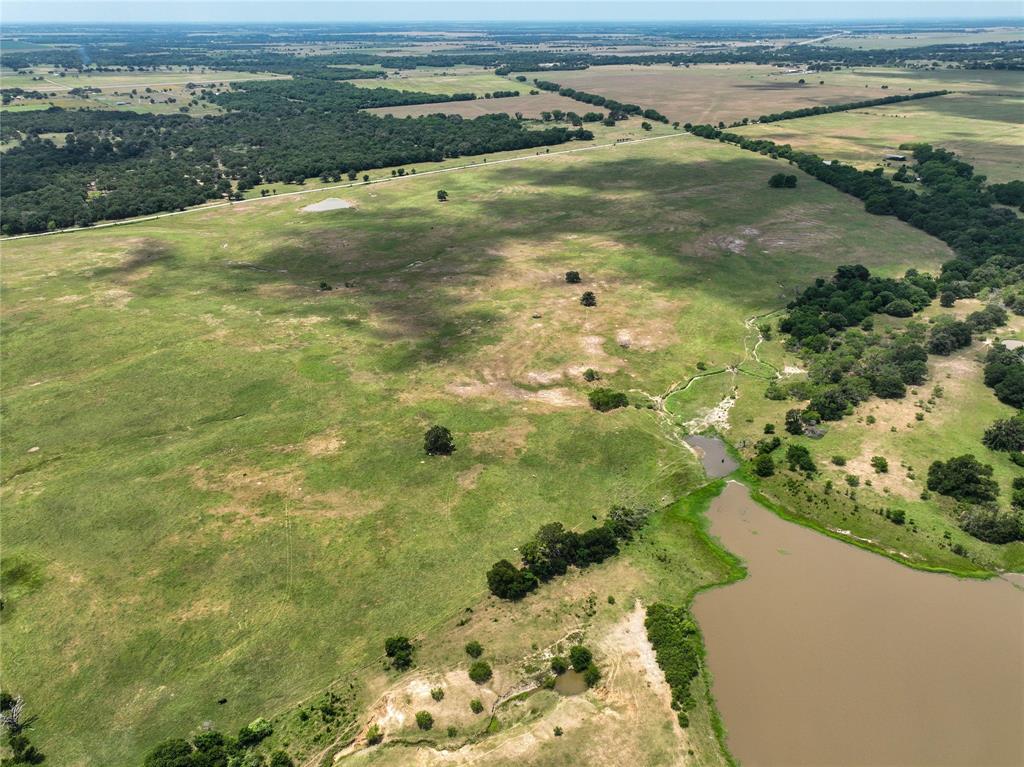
<point x="570" y="683"/>
<point x="830" y="655"/>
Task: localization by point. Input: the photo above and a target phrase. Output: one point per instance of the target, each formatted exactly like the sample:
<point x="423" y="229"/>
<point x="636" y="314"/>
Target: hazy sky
<point x="19" y="11"/>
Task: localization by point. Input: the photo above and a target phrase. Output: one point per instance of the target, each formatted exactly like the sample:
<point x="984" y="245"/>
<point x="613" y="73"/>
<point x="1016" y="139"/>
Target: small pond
<point x="715" y="458"/>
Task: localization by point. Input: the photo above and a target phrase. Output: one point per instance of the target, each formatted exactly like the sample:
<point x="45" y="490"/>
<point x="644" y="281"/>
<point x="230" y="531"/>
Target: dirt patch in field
<point x="324" y="444"/>
<point x="467" y="479"/>
<point x="506" y="442"/>
<point x="259" y="497"/>
<point x="331" y="203"/>
<point x="116" y="298"/>
<point x="558" y="397"/>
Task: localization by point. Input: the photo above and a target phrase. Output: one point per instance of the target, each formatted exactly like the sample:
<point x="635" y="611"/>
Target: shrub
<point x="480" y="671"/>
<point x="452" y="731"/>
<point x="325" y="285"/>
<point x="257" y="730"/>
<point x="592" y="675"/>
<point x="590" y="375"/>
<point x="424" y="720"/>
<point x="399" y="649"/>
<point x="580" y="657"/>
<point x="437" y="694"/>
<point x="799" y="457"/>
<point x="588" y="298"/>
<point x="374" y="735"/>
<point x="769" y="428"/>
<point x="879" y="464"/>
<point x="572" y="277"/>
<point x="559" y="665"/>
<point x="474" y="649"/>
<point x="558" y="731"/>
<point x="507" y="581"/>
<point x="607" y="399"/>
<point x="794" y="422"/>
<point x="281" y="759"/>
<point x="442" y="195"/>
<point x="438" y="441"/>
<point x="838" y="460"/>
<point x="476" y="706"/>
<point x="764" y="466"/>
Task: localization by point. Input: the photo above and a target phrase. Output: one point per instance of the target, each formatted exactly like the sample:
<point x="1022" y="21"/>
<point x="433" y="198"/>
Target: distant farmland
<point x="529" y="106"/>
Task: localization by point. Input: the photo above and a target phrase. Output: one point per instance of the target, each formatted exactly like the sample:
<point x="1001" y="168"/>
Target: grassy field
<point x="457" y="79"/>
<point x="214" y="481"/>
<point x="986" y="130"/>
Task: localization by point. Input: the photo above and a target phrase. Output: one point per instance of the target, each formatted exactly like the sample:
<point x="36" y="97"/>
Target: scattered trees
<point x="572" y="277"/>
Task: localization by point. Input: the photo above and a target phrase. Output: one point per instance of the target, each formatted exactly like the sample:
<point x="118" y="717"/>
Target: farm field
<point x="213" y="466"/>
<point x="527" y="106"/>
<point x="916" y="39"/>
<point x="446" y="81"/>
<point x="54" y="82"/>
<point x="986" y="130"/>
<point x="729" y="92"/>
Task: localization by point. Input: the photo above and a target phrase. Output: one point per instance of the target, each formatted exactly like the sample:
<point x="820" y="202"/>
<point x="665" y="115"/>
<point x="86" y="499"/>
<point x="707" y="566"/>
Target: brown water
<point x="713" y="456"/>
<point x="830" y="655"/>
<point x="570" y="683"/>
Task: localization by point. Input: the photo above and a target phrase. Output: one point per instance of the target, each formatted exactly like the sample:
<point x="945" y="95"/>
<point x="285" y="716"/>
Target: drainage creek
<point x="826" y="654"/>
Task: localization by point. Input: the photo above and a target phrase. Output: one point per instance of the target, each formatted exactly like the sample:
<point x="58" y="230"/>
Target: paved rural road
<point x="388" y="180"/>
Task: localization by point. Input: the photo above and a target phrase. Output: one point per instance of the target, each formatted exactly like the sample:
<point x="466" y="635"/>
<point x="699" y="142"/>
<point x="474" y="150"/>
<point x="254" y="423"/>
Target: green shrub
<point x="474" y="649"/>
<point x="424" y="720"/>
<point x="764" y="466"/>
<point x="452" y="731"/>
<point x="480" y="671"/>
<point x="476" y="706"/>
<point x="374" y="735"/>
<point x="603" y="399"/>
<point x="592" y="675"/>
<point x="580" y="657"/>
<point x="399" y="649"/>
<point x="879" y="464"/>
<point x="438" y="441"/>
<point x="437" y="694"/>
<point x="559" y="665"/>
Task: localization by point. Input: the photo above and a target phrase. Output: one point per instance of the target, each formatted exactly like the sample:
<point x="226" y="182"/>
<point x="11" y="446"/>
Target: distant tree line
<point x="792" y="114"/>
<point x="616" y="109"/>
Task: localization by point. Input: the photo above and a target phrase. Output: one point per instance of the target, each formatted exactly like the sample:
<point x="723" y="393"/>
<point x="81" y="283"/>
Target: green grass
<point x="229" y="496"/>
<point x="446" y="81"/>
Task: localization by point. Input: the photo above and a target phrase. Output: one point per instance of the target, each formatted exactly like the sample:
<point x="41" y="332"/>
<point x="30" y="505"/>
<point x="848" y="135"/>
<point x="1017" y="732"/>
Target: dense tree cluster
<point x="120" y="164"/>
<point x="851" y="297"/>
<point x="677" y="646"/>
<point x="1005" y="434"/>
<point x="553" y="550"/>
<point x="964" y="478"/>
<point x="605" y="399"/>
<point x="1004" y="372"/>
